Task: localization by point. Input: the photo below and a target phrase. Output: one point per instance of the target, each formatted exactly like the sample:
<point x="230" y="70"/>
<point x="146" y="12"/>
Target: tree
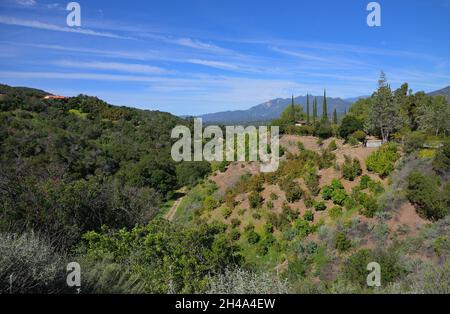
<point x="383" y="117"/>
<point x="434" y="115"/>
<point x="349" y="125"/>
<point x="335" y="119"/>
<point x="314" y="110"/>
<point x="325" y="109"/>
<point x="307" y="109"/>
<point x="292" y="111"/>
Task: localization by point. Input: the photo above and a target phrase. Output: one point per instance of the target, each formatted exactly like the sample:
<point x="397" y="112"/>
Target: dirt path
<point x="171" y="213"/>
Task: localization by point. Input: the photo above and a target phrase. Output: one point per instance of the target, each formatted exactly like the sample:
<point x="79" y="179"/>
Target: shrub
<point x="332" y="146"/>
<point x="32" y="265"/>
<point x="430" y="199"/>
<point x="341" y="243"/>
<point x="268" y="227"/>
<point x="253" y="237"/>
<point x="351" y="168"/>
<point x="262" y="250"/>
<point x="235" y="234"/>
<point x="269" y="204"/>
<point x="294" y="193"/>
<point x="255" y="200"/>
<point x="369" y="205"/>
<point x="335" y="212"/>
<point x="273" y="196"/>
<point x="382" y="160"/>
<point x="303" y="227"/>
<point x="235" y="223"/>
<point x="339" y="196"/>
<point x="413" y="141"/>
<point x="359" y="135"/>
<point x="352" y="141"/>
<point x="256" y="216"/>
<point x="226" y="212"/>
<point x="365" y="179"/>
<point x="309" y="215"/>
<point x="441" y="163"/>
<point x="349" y="125"/>
<point x="327" y="192"/>
<point x="319" y="206"/>
<point x="209" y="203"/>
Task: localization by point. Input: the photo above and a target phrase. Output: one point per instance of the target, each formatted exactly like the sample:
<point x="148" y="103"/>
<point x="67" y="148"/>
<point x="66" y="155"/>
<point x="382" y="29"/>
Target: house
<point x="300" y="123"/>
<point x="373" y="142"/>
<point x="54" y="97"/>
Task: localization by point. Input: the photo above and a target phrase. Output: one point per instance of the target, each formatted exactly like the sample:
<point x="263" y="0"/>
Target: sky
<point x="190" y="57"/>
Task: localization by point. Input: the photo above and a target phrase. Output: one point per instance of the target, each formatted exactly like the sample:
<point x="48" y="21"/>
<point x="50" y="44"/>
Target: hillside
<point x="444" y="92"/>
<point x="270" y="110"/>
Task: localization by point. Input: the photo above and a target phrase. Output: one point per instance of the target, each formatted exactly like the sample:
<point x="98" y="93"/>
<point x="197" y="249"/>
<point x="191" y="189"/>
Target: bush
<point x="255" y="200"/>
<point x="31" y="265"/>
<point x="235" y="234"/>
<point x="413" y="141"/>
<point x="226" y="212"/>
<point x="332" y="146"/>
<point x="363" y="184"/>
<point x="339" y="196"/>
<point x="253" y="237"/>
<point x="426" y="193"/>
<point x="441" y="163"/>
<point x="268" y="227"/>
<point x="273" y="196"/>
<point x="327" y="192"/>
<point x="351" y="168"/>
<point x="341" y="243"/>
<point x="269" y="204"/>
<point x="369" y="205"/>
<point x="319" y="206"/>
<point x="359" y="135"/>
<point x="349" y="125"/>
<point x="235" y="223"/>
<point x="335" y="212"/>
<point x="309" y="215"/>
<point x="382" y="160"/>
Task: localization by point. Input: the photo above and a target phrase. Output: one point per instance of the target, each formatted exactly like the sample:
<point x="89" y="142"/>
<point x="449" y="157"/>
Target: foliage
<point x="341" y="243"/>
<point x="382" y="160"/>
<point x="351" y="168"/>
<point x="255" y="200"/>
<point x="349" y="125"/>
<point x="164" y="257"/>
<point x="308" y="215"/>
<point x="426" y="193"/>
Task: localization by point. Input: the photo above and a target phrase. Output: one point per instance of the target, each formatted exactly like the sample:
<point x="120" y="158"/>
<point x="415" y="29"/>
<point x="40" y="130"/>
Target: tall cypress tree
<point x="335" y="120"/>
<point x="292" y="110"/>
<point x="314" y="110"/>
<point x="325" y="109"/>
<point x="307" y="109"/>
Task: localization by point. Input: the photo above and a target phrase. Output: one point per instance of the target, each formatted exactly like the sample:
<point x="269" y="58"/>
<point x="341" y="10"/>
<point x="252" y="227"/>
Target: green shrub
<point x="235" y="223"/>
<point x="349" y="125"/>
<point x="253" y="237"/>
<point x="441" y="163"/>
<point x="269" y="204"/>
<point x="351" y="168"/>
<point x="359" y="135"/>
<point x="352" y="141"/>
<point x="309" y="215"/>
<point x="268" y="227"/>
<point x="382" y="160"/>
<point x="339" y="196"/>
<point x="273" y="196"/>
<point x="255" y="200"/>
<point x="332" y="146"/>
<point x="427" y="194"/>
<point x="335" y="212"/>
<point x="341" y="243"/>
<point x="226" y="212"/>
<point x="235" y="234"/>
<point x="319" y="206"/>
<point x="363" y="184"/>
<point x="327" y="192"/>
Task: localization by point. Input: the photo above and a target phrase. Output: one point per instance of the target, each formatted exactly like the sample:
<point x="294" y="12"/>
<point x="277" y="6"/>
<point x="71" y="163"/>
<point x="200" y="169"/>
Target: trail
<point x="171" y="213"/>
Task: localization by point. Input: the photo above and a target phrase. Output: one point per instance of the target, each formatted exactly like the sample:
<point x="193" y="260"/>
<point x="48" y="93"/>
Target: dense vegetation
<point x="86" y="181"/>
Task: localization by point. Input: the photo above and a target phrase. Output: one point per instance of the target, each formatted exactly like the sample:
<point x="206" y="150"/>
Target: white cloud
<point x="114" y="66"/>
<point x="40" y="25"/>
<point x="26" y="2"/>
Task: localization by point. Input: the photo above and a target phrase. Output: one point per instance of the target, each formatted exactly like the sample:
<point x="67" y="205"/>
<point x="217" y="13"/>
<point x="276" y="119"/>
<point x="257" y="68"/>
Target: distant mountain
<point x="353" y="99"/>
<point x="445" y="92"/>
<point x="272" y="110"/>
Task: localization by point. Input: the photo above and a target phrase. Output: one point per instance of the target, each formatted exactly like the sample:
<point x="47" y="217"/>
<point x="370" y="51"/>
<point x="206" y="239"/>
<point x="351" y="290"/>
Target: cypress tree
<point x="314" y="110"/>
<point x="335" y="120"/>
<point x="325" y="110"/>
<point x="292" y="110"/>
<point x="307" y="108"/>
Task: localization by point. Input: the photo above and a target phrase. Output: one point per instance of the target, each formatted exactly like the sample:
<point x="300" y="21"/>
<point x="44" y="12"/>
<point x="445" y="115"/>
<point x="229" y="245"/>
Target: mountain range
<point x="272" y="109"/>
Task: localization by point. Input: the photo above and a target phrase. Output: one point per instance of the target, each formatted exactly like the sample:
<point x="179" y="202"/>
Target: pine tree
<point x="307" y="109"/>
<point x="325" y="109"/>
<point x="335" y="119"/>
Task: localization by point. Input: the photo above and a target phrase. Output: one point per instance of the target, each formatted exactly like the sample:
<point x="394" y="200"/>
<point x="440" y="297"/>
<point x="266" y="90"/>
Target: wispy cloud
<point x="52" y="27"/>
<point x="113" y="66"/>
<point x="26" y="3"/>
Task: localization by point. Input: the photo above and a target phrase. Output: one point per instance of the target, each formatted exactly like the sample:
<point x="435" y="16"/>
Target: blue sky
<point x="198" y="56"/>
